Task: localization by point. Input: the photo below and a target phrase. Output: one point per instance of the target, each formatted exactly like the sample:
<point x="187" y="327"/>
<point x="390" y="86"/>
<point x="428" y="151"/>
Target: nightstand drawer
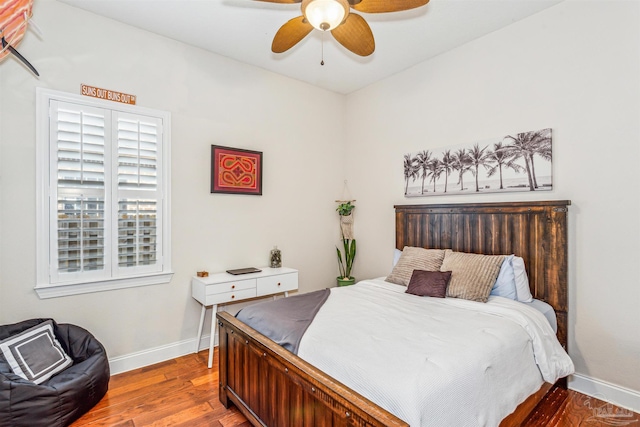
<point x="275" y="284"/>
<point x="237" y="285"/>
<point x="231" y="296"/>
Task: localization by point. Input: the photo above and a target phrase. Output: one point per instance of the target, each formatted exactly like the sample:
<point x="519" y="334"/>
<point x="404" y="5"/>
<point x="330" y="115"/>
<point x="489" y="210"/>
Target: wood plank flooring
<point x="183" y="392"/>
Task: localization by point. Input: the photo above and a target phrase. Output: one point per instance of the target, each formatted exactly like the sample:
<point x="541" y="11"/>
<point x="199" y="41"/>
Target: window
<point x="103" y="195"/>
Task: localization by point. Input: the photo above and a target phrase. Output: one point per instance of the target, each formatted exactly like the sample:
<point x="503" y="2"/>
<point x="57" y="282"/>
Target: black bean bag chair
<point x="63" y="398"/>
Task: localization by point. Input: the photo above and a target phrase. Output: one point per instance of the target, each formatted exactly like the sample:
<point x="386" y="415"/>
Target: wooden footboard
<point x="273" y="387"/>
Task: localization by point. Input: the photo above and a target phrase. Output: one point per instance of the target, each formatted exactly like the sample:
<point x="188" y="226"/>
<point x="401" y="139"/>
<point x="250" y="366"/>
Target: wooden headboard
<point x="535" y="231"/>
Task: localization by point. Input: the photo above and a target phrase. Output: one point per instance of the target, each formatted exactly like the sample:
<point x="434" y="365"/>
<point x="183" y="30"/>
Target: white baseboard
<point x="619" y="396"/>
<point x="148" y="357"/>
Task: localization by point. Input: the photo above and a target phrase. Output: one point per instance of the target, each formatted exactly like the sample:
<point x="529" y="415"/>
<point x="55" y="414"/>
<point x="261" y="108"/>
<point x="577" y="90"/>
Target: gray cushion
<point x="413" y="258"/>
<point x="35" y="354"/>
<point x="472" y="275"/>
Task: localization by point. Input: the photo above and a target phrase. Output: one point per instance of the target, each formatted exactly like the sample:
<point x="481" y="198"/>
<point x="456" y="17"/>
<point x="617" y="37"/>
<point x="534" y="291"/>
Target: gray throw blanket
<point x="284" y="320"/>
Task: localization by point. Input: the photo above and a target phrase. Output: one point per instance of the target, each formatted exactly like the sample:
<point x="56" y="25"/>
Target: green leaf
<point x="340" y="264"/>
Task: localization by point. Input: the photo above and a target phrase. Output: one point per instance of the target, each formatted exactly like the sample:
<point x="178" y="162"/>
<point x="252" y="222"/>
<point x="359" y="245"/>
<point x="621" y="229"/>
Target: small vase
<point x="276" y="258"/>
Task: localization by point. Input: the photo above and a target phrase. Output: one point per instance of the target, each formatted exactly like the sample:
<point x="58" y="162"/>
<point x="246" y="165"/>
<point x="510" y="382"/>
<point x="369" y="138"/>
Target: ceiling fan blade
<point x="290" y="34"/>
<point x="355" y="34"/>
<point x="382" y="6"/>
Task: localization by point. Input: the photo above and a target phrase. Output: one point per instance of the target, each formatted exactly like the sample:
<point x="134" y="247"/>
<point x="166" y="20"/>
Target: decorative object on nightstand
<point x="276" y="258"/>
<point x="223" y="288"/>
<point x="345" y="211"/>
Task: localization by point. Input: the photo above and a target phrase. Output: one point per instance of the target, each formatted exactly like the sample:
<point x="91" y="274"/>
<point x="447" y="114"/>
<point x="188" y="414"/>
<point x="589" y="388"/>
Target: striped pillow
<point x="413" y="258"/>
<point x="472" y="275"/>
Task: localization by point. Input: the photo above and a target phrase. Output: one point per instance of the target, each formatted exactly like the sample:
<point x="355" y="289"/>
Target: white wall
<point x="213" y="100"/>
<point x="575" y="68"/>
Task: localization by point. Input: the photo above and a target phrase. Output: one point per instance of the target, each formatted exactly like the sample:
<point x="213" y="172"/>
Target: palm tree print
<point x="447" y="166"/>
<point x="516" y="162"/>
<point x="478" y="158"/>
<point x="422" y="161"/>
<point x="435" y="170"/>
<point x="503" y="160"/>
<point x="410" y="171"/>
<point x="528" y="144"/>
<point x="461" y="163"/>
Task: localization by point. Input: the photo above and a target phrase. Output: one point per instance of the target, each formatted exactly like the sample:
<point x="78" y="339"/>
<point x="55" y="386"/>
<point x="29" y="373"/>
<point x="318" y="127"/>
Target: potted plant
<point x="345" y="265"/>
<point x="345" y="208"/>
<point x="345" y="262"/>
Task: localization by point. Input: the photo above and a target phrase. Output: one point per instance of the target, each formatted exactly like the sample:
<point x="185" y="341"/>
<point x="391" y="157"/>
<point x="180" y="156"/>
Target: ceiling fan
<point x="348" y="28"/>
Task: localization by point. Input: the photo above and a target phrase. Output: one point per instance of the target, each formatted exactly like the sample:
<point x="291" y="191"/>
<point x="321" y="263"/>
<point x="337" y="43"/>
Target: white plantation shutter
<point x="78" y="136"/>
<point x="137" y="233"/>
<point x="139" y="192"/>
<point x="102" y="196"/>
<point x="137" y="153"/>
<point x="80" y="236"/>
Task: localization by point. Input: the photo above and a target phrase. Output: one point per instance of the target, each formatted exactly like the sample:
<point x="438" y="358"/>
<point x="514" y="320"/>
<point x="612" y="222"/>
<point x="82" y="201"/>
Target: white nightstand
<point x="222" y="288"/>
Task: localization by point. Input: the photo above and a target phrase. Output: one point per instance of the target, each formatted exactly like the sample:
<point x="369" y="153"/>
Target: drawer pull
<point x="233" y="296"/>
<point x="233" y="286"/>
<point x="278" y="283"/>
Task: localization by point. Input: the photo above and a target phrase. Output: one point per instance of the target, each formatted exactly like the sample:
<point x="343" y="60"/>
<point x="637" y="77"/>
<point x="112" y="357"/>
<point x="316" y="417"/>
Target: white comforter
<point x="434" y="361"/>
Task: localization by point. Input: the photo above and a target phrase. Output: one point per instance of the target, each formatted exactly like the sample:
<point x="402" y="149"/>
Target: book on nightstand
<point x="244" y="270"/>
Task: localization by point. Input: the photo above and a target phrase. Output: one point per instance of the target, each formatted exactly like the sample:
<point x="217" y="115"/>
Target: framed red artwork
<point x="236" y="171"/>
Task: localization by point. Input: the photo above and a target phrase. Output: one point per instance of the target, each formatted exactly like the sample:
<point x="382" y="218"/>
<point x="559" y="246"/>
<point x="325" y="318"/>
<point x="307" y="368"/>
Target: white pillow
<point x="505" y="285"/>
<point x="35" y="354"/>
<point x="522" y="281"/>
<point x="396" y="256"/>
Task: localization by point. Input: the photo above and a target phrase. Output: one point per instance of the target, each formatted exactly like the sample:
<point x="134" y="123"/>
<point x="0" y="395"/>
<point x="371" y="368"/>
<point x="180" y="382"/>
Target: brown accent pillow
<point x="472" y="276"/>
<point x="429" y="283"/>
<point x="413" y="258"/>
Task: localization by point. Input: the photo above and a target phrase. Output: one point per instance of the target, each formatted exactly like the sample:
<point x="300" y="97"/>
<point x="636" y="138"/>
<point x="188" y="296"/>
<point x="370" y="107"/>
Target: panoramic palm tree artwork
<point x="517" y="162"/>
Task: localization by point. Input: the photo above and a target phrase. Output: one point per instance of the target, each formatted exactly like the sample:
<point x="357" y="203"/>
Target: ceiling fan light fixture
<point x="325" y="15"/>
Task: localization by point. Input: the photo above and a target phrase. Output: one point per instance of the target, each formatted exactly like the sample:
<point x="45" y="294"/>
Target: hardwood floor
<point x="183" y="392"/>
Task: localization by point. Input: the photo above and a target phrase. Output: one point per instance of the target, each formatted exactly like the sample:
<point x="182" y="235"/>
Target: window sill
<point x="55" y="291"/>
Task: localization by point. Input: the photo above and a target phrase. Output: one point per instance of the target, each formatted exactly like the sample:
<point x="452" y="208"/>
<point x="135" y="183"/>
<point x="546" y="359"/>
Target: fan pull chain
<point x="322" y="49"/>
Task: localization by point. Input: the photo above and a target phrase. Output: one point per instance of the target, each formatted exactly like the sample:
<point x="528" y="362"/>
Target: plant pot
<point x="345" y="282"/>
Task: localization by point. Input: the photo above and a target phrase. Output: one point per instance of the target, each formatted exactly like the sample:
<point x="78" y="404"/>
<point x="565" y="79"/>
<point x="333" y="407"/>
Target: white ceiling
<point x="243" y="30"/>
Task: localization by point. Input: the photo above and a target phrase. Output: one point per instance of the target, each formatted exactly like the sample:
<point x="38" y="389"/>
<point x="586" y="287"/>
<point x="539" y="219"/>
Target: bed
<point x="274" y="387"/>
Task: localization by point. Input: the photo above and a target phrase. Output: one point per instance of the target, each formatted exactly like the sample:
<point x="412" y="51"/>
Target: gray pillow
<point x="472" y="275"/>
<point x="413" y="258"/>
<point x="35" y="354"/>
